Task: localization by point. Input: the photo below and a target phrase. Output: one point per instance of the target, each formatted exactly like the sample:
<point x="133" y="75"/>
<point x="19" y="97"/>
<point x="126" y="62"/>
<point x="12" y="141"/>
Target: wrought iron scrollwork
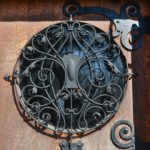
<point x="71" y="77"/>
<point x="126" y="23"/>
<point x="125" y="133"/>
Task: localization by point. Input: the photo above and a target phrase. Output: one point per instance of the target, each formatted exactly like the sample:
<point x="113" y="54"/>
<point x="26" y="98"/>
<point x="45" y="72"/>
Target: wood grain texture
<point x="27" y="10"/>
<point x="15" y="133"/>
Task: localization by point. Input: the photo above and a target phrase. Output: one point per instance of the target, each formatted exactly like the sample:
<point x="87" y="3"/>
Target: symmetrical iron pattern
<point x="125" y="138"/>
<point x="71" y="77"/>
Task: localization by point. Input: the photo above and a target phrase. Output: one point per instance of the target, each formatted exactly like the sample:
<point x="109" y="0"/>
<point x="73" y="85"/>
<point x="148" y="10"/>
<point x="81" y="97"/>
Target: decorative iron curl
<point x="127" y="22"/>
<point x="126" y="134"/>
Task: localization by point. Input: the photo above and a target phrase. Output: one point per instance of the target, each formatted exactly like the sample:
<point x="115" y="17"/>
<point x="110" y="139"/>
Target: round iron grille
<point x="72" y="77"/>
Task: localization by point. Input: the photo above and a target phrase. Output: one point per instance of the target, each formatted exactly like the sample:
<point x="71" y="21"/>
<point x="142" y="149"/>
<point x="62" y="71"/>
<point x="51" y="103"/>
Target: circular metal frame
<point x="72" y="77"/>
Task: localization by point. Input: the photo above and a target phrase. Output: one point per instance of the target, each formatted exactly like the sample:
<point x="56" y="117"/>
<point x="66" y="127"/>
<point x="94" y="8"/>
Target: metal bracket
<point x="71" y="146"/>
<point x="126" y="22"/>
<point x="10" y="78"/>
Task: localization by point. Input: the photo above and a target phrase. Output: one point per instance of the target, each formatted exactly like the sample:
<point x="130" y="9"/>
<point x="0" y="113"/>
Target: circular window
<point x="72" y="77"/>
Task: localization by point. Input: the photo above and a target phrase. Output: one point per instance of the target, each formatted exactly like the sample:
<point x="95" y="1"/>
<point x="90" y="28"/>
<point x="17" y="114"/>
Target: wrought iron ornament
<point x="71" y="77"/>
<point x="126" y="134"/>
<point x="126" y="23"/>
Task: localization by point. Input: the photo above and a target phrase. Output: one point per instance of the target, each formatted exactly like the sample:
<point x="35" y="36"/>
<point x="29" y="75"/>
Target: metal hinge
<point x="71" y="146"/>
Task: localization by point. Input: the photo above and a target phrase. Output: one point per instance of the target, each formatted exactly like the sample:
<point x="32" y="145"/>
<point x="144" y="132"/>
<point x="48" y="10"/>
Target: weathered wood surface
<point x="42" y="10"/>
<point x="15" y="132"/>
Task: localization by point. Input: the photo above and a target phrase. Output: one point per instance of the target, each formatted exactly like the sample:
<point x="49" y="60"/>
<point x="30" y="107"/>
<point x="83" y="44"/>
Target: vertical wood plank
<point x="3" y="10"/>
<point x="37" y="9"/>
<point x="22" y="10"/>
<point x="140" y="85"/>
<point x="12" y="10"/>
<point x="57" y="11"/>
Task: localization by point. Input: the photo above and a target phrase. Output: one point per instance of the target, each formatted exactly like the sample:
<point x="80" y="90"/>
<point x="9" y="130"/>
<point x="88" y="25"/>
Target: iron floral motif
<point x="71" y="77"/>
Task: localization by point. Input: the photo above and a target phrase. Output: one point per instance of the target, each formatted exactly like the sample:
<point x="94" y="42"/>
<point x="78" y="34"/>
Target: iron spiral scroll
<point x="71" y="77"/>
<point x="125" y="138"/>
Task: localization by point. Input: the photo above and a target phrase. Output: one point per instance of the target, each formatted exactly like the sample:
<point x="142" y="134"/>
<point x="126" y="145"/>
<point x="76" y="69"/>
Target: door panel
<point x="43" y="10"/>
<point x="16" y="131"/>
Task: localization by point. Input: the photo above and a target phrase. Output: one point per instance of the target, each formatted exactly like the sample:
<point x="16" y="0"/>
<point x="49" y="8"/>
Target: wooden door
<point x="16" y="132"/>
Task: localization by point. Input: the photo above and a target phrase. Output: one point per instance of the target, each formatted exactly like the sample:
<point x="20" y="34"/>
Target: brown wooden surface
<point x="15" y="133"/>
<point x="41" y="10"/>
